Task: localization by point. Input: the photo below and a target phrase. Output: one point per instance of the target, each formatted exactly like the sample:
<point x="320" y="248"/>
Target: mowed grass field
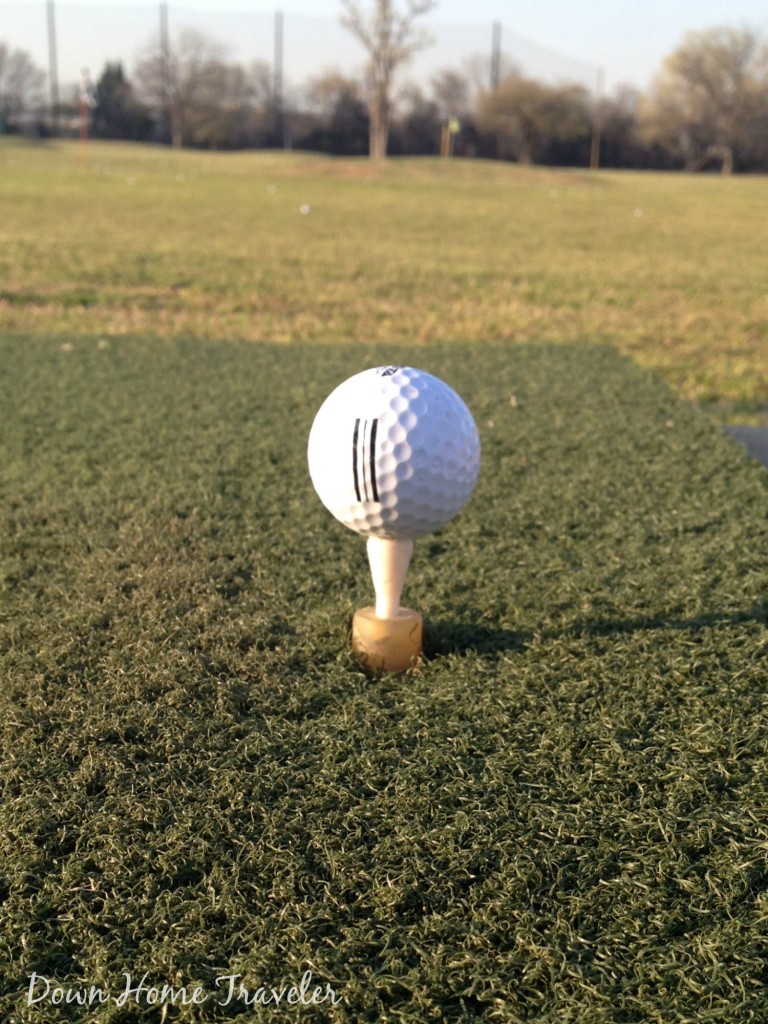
<point x="560" y="815"/>
<point x="670" y="269"/>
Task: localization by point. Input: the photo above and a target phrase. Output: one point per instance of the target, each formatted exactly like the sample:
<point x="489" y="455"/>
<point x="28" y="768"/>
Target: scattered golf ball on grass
<point x="393" y="454"/>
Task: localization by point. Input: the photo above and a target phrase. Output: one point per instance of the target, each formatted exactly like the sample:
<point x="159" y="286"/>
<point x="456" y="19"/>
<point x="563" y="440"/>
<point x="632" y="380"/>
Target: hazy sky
<point x="556" y="39"/>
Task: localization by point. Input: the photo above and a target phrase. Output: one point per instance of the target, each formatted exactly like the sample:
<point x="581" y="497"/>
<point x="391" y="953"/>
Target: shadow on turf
<point x="443" y="637"/>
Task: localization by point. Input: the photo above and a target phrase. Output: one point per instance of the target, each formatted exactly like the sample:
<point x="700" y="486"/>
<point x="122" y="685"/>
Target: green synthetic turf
<point x="560" y="816"/>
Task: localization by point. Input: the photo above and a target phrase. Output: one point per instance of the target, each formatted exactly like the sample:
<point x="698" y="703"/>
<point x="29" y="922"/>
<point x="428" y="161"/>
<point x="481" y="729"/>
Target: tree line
<point x="706" y="108"/>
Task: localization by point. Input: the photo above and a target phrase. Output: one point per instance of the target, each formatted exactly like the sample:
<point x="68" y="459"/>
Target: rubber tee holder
<point x="387" y="637"/>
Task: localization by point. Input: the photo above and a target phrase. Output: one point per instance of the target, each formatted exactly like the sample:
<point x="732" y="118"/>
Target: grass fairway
<point x="560" y="817"/>
<point x="670" y="269"/>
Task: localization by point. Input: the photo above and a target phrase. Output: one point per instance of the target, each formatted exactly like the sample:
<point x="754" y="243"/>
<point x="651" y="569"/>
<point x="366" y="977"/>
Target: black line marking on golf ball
<point x="355" y="436"/>
<point x="361" y="445"/>
<point x="363" y="460"/>
<point x="374" y="428"/>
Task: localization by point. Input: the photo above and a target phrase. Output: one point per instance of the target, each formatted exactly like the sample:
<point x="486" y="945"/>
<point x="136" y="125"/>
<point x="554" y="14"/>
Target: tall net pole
<point x="597" y="122"/>
<point x="277" y="85"/>
<point x="170" y="112"/>
<point x="165" y="68"/>
<point x="53" y="67"/>
<point x="495" y="56"/>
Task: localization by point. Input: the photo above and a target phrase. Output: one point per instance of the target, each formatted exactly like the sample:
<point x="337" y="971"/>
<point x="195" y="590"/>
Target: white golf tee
<point x="387" y="636"/>
<point x="389" y="561"/>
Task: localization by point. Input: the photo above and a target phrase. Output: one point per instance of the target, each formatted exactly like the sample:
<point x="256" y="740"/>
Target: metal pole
<point x="597" y="123"/>
<point x="277" y="86"/>
<point x="495" y="55"/>
<point x="165" y="69"/>
<point x="170" y="112"/>
<point x="53" y="68"/>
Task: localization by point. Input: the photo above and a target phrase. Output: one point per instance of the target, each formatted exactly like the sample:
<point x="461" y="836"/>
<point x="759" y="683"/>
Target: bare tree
<point x="390" y="39"/>
<point x="338" y="114"/>
<point x="526" y="115"/>
<point x="708" y="94"/>
<point x="21" y="85"/>
<point x="620" y="144"/>
<point x="325" y="91"/>
<point x="212" y="100"/>
<point x="451" y="93"/>
<point x="262" y="77"/>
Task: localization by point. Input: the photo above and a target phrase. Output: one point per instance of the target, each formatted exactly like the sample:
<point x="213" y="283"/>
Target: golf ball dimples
<point x="394" y="452"/>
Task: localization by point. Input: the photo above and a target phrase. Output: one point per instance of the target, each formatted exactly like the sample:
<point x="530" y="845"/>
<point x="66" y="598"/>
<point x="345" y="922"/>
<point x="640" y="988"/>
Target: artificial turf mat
<point x="561" y="816"/>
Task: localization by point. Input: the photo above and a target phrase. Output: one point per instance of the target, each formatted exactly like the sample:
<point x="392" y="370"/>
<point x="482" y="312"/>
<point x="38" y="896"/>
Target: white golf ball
<point x="394" y="452"/>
